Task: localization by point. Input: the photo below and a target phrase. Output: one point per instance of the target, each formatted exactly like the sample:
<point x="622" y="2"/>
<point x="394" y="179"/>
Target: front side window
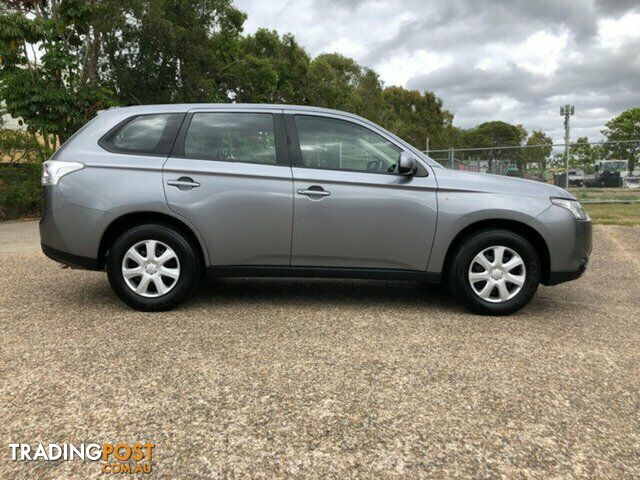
<point x="232" y="137"/>
<point x="333" y="144"/>
<point x="146" y="135"/>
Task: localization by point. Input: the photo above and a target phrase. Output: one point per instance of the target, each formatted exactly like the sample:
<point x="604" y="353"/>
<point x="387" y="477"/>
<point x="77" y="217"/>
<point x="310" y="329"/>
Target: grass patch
<point x="614" y="214"/>
<point x="606" y="193"/>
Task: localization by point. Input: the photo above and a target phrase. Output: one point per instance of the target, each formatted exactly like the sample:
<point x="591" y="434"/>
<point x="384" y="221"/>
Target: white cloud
<point x="511" y="60"/>
<point x="614" y="32"/>
<point x="400" y="68"/>
<point x="540" y="53"/>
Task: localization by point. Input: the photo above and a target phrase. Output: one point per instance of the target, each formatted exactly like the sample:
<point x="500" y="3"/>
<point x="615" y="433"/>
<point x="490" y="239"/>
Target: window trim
<point x="105" y="141"/>
<point x="295" y="152"/>
<point x="282" y="155"/>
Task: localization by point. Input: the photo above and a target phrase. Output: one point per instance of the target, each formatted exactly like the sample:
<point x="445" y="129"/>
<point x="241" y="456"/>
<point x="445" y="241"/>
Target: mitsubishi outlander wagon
<point x="160" y="196"/>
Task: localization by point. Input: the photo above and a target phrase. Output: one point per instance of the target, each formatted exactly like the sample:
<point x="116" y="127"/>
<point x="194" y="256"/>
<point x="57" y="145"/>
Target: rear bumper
<point x="70" y="231"/>
<point x="69" y="259"/>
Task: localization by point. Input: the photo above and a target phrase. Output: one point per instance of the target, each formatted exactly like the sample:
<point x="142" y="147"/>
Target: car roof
<point x="185" y="107"/>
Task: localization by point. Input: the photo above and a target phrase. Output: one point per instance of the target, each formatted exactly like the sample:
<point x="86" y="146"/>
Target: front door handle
<point x="314" y="191"/>
<point x="183" y="183"/>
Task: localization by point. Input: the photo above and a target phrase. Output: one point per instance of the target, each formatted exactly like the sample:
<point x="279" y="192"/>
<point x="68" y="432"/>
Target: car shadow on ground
<point x="324" y="292"/>
<point x="321" y="293"/>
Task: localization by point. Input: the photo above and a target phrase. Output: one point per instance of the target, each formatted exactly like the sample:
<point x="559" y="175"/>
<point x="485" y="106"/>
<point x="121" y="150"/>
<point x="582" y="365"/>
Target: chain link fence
<point x="593" y="166"/>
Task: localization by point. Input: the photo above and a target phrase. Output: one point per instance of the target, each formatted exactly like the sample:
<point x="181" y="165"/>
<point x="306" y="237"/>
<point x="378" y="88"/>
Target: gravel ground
<point x="320" y="378"/>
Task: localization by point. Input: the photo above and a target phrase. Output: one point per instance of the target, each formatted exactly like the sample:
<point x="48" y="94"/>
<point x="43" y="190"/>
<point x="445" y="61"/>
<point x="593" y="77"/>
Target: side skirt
<point x="322" y="272"/>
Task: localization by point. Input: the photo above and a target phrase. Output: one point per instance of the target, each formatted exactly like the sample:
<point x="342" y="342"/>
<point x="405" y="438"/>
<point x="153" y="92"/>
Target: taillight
<point x="54" y="170"/>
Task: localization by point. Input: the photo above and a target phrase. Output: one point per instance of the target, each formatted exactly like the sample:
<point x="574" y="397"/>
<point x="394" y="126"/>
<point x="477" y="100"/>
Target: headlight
<point x="572" y="205"/>
<point x="54" y="170"/>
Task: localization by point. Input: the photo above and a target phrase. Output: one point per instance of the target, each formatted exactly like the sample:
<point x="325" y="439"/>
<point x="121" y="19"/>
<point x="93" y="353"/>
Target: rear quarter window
<point x="144" y="135"/>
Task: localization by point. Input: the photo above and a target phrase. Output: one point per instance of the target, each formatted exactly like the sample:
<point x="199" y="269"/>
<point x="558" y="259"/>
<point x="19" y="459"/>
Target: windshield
<point x="614" y="166"/>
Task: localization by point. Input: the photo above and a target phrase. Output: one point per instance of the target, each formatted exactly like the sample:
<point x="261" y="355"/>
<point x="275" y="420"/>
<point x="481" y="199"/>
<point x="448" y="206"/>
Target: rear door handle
<point x="183" y="183"/>
<point x="314" y="191"/>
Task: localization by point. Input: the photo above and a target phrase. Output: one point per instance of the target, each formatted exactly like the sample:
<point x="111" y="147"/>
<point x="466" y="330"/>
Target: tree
<point x="369" y="97"/>
<point x="52" y="91"/>
<point x="539" y="149"/>
<point x="336" y="81"/>
<point x="164" y="51"/>
<point x="412" y="115"/>
<point x="63" y="60"/>
<point x="270" y="69"/>
<point x="583" y="155"/>
<point x="494" y="135"/>
<point x="449" y="135"/>
<point x="625" y="126"/>
<point x="332" y="82"/>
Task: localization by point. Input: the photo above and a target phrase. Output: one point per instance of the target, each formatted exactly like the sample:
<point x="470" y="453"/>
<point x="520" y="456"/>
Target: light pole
<point x="566" y="111"/>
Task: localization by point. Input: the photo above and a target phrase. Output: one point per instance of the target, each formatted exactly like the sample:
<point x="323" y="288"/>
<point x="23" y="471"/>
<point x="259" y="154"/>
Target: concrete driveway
<point x="323" y="378"/>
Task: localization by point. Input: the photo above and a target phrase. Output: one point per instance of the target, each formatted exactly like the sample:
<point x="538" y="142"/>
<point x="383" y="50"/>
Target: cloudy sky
<point x="511" y="60"/>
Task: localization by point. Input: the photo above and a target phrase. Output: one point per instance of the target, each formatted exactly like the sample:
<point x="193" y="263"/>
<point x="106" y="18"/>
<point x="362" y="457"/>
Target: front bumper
<point x="575" y="250"/>
<point x="560" y="277"/>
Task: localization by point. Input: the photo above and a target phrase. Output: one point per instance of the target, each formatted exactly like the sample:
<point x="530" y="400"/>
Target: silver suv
<point x="159" y="196"/>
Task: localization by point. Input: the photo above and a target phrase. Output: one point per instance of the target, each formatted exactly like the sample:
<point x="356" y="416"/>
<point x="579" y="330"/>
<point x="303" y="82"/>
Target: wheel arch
<point x="528" y="232"/>
<point x="123" y="223"/>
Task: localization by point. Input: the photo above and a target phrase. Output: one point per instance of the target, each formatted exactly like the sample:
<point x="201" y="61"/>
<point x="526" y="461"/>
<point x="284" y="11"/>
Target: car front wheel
<point x="152" y="267"/>
<point x="494" y="272"/>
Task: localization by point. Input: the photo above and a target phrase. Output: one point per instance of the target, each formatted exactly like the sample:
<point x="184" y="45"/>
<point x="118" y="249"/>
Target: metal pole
<point x="567" y="111"/>
<point x="566" y="151"/>
<point x="451" y="157"/>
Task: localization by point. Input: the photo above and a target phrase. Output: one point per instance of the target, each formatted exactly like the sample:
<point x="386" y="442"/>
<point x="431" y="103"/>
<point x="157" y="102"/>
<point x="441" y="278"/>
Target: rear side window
<point x="232" y="137"/>
<point x="144" y="135"/>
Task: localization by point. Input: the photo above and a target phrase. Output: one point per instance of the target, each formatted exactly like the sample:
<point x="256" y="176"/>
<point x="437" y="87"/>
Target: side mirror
<point x="407" y="164"/>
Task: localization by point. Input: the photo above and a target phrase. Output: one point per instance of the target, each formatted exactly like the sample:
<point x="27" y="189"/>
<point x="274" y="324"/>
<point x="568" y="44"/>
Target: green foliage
<point x="51" y="94"/>
<point x="539" y="151"/>
<point x="164" y="51"/>
<point x="583" y="155"/>
<point x="270" y="69"/>
<point x="97" y="54"/>
<point x="333" y="80"/>
<point x="20" y="190"/>
<point x="412" y="115"/>
<point x="19" y="146"/>
<point x="625" y="126"/>
<point x="494" y="135"/>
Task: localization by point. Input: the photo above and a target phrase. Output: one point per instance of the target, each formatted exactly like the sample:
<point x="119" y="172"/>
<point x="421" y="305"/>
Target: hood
<point x="459" y="180"/>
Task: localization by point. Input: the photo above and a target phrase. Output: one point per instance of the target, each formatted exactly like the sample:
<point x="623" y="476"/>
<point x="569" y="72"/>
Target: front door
<point x="230" y="177"/>
<point x="351" y="207"/>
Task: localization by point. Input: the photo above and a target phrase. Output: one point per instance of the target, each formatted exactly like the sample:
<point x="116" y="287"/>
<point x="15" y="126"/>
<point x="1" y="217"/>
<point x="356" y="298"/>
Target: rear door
<point x="229" y="175"/>
<point x="351" y="207"/>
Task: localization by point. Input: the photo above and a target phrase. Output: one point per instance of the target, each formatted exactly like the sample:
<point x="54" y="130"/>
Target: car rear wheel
<point x="153" y="267"/>
<point x="494" y="272"/>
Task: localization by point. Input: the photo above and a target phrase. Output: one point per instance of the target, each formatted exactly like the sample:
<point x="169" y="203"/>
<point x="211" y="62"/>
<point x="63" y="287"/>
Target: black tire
<point x="189" y="263"/>
<point x="458" y="272"/>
